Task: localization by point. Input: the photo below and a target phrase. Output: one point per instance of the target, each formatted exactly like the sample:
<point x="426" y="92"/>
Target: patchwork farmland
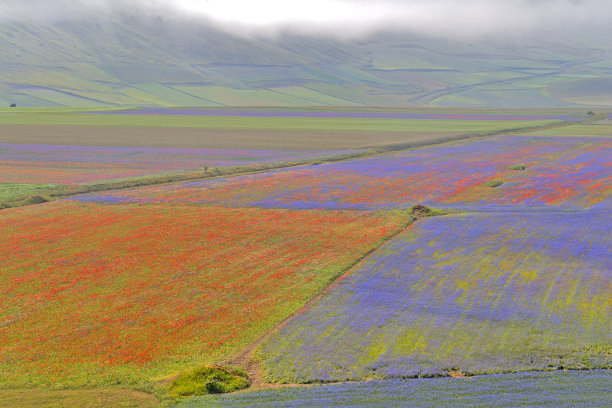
<point x="552" y="172"/>
<point x="314" y="273"/>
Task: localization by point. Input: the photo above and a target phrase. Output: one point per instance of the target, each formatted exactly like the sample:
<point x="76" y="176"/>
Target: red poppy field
<point x="105" y="295"/>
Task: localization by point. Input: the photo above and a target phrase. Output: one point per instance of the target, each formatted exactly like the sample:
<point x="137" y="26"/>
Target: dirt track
<point x="252" y="366"/>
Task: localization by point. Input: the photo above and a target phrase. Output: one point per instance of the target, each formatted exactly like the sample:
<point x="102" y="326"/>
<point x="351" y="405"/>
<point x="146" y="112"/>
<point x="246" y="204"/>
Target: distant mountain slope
<point x="145" y="61"/>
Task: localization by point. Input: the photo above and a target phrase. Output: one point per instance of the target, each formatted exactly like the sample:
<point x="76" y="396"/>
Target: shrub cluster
<point x="209" y="380"/>
<point x="494" y="183"/>
<point x="520" y="167"/>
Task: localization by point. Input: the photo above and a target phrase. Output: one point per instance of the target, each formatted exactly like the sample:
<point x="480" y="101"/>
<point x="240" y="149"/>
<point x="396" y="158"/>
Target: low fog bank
<point x="341" y="19"/>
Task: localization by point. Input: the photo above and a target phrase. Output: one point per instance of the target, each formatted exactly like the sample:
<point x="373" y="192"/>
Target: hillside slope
<point x="141" y="60"/>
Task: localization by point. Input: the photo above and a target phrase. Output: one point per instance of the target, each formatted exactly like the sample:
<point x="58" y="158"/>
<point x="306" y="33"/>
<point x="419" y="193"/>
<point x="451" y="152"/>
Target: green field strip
<point x="584" y="89"/>
<point x="246" y="97"/>
<point x="596" y="100"/>
<point x="221" y="122"/>
<point x="63" y="98"/>
<point x="23" y="99"/>
<point x="143" y="98"/>
<point x="93" y="73"/>
<point x="518" y="64"/>
<point x="147" y="72"/>
<point x="194" y="90"/>
<point x="411" y="58"/>
<point x="495" y="76"/>
<point x="16" y="191"/>
<point x="173" y="97"/>
<point x="52" y="78"/>
<point x="405" y="76"/>
<point x="539" y="82"/>
<point x="500" y="98"/>
<point x="358" y="75"/>
<point x="456" y="79"/>
<point x="355" y="96"/>
<point x="55" y="109"/>
<point x="457" y="99"/>
<point x="314" y="96"/>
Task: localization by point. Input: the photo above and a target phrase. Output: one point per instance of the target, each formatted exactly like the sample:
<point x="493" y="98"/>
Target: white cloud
<point x="462" y="18"/>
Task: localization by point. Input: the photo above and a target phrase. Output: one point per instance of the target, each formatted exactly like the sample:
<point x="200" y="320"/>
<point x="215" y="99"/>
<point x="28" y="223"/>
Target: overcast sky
<point x="345" y="18"/>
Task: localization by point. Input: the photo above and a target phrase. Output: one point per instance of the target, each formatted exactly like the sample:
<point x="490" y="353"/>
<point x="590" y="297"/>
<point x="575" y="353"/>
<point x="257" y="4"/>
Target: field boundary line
<point x="245" y="359"/>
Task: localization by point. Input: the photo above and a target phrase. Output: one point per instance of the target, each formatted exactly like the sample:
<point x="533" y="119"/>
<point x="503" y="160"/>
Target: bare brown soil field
<point x="273" y="139"/>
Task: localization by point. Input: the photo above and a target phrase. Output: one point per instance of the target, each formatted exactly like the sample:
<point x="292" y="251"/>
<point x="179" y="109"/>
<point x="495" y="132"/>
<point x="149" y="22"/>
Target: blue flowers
<point x="560" y="173"/>
<point x="476" y="292"/>
<point x="557" y="389"/>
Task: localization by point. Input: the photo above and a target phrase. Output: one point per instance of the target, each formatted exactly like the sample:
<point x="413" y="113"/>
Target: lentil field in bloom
<point x="558" y="389"/>
<point x="558" y="173"/>
<point x="472" y="293"/>
<point x="61" y="164"/>
<point x="116" y="295"/>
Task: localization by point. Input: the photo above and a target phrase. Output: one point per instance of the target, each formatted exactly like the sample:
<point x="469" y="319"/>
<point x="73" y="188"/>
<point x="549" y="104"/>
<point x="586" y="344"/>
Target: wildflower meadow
<point x="104" y="295"/>
<point x="504" y="172"/>
<point x="472" y="293"/>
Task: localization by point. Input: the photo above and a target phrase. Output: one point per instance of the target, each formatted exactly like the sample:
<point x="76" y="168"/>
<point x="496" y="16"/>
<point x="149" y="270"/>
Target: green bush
<point x="518" y="167"/>
<point x="209" y="380"/>
<point x="420" y="210"/>
<point x="34" y="200"/>
<point x="494" y="183"/>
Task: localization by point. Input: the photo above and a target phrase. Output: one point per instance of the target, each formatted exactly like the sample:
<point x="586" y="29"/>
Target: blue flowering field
<point x="557" y="389"/>
<point x="468" y="293"/>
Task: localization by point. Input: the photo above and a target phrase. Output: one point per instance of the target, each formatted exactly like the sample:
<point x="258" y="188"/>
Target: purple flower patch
<point x="476" y="293"/>
<point x="558" y="173"/>
<point x="31" y="163"/>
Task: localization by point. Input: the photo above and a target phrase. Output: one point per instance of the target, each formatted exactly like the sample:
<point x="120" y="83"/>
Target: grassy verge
<point x="21" y="191"/>
<point x="285" y="123"/>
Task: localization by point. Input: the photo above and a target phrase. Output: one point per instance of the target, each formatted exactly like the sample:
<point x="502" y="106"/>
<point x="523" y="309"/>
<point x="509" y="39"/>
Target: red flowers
<point x="134" y="290"/>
